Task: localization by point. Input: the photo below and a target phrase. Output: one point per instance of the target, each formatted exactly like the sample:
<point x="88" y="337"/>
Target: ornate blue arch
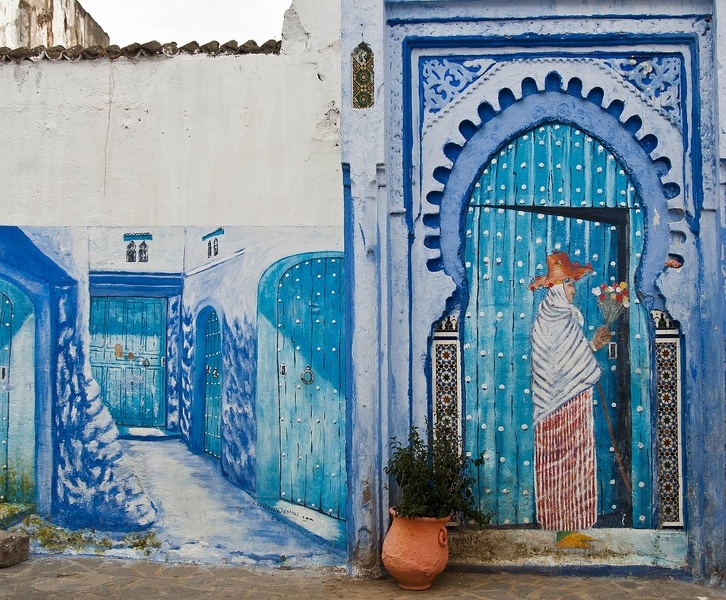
<point x="445" y="228"/>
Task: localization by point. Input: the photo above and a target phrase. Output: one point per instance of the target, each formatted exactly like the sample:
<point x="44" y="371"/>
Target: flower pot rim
<point x="395" y="515"/>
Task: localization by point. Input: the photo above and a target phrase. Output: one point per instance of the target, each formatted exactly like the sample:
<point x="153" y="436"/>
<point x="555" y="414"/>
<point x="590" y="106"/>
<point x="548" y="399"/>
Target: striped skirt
<point x="565" y="470"/>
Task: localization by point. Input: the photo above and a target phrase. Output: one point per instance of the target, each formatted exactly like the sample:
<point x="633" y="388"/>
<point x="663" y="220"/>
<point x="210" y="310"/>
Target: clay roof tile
<point x="135" y="50"/>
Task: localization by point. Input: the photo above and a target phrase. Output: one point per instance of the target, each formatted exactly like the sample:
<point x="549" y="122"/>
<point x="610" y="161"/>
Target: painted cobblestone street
<point x="111" y="579"/>
<point x="203" y="518"/>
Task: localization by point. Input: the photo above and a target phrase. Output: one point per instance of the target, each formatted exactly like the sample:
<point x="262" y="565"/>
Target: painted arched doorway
<point x="206" y="433"/>
<point x="553" y="189"/>
<point x="17" y="397"/>
<point x="301" y="392"/>
<point x="212" y="370"/>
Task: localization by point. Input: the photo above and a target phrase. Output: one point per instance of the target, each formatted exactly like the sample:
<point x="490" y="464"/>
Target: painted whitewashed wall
<point x="241" y="140"/>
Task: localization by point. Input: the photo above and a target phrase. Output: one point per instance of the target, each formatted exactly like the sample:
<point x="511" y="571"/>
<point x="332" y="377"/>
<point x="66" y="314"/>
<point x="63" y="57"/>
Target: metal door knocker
<point x="307" y="376"/>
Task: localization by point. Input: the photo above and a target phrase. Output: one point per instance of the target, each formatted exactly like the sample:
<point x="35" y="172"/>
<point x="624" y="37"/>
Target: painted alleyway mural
<point x="152" y="359"/>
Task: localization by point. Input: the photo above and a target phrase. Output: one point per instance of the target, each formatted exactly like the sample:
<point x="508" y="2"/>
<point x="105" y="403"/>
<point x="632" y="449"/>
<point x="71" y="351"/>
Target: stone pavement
<point x="83" y="578"/>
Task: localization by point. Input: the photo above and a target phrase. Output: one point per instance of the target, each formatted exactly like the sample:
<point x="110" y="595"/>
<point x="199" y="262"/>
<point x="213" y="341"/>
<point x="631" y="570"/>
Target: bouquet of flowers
<point x="612" y="299"/>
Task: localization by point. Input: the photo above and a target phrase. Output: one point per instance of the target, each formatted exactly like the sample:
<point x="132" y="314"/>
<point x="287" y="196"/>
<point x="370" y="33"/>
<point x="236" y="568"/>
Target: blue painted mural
<point x="79" y="476"/>
<point x="522" y="211"/>
<point x="301" y="381"/>
<point x="128" y="357"/>
<point x="17" y="396"/>
<point x="149" y="361"/>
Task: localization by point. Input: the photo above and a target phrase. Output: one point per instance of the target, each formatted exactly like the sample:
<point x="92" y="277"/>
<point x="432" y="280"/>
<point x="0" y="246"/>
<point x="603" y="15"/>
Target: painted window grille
<point x="212" y="242"/>
<point x="140" y="252"/>
<point x="669" y="423"/>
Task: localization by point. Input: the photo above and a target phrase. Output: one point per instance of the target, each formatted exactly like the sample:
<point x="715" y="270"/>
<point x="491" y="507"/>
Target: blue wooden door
<point x="6" y="339"/>
<point x="553" y="189"/>
<point x="128" y="357"/>
<point x="311" y="384"/>
<point x="213" y="386"/>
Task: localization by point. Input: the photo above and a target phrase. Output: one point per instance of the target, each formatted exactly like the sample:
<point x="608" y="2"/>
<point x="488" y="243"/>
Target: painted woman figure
<point x="564" y="372"/>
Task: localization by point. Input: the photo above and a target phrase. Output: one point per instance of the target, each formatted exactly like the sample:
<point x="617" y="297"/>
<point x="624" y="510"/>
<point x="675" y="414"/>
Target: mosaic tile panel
<point x="446" y="392"/>
<point x="668" y="421"/>
<point x="363" y="76"/>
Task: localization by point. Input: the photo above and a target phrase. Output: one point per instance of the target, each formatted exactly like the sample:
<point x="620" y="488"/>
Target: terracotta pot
<point x="416" y="550"/>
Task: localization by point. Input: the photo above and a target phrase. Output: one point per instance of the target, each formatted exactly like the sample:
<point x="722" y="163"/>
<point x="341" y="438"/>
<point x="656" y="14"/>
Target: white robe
<point x="563" y="363"/>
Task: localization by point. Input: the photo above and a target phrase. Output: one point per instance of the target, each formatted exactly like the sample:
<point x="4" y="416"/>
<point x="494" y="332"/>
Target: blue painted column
<point x="365" y="221"/>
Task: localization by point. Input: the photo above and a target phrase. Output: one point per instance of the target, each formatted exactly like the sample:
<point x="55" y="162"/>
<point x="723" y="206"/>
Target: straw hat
<point x="560" y="270"/>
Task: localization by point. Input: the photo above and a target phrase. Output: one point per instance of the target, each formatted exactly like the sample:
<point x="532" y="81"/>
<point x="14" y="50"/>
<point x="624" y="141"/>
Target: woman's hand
<point x="602" y="337"/>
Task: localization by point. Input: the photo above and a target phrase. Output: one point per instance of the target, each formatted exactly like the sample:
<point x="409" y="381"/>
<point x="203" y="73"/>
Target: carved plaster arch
<point x="511" y="98"/>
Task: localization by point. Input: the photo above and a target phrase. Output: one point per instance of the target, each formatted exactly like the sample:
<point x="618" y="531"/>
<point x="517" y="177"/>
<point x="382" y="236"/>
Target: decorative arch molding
<point x="641" y="138"/>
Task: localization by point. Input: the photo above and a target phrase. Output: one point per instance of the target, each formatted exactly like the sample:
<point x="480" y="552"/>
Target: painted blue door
<point x="212" y="386"/>
<point x="128" y="357"/>
<point x="17" y="396"/>
<point x="310" y="382"/>
<point x="553" y="189"/>
<point x="6" y="339"/>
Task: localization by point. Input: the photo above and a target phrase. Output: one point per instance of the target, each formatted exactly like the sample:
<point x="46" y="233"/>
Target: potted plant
<point x="434" y="479"/>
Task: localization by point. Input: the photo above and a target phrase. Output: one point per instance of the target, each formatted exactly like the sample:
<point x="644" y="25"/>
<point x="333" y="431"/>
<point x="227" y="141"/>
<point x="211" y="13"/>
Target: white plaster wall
<point x="720" y="18"/>
<point x="236" y="140"/>
<point x="48" y="23"/>
<point x="9" y="13"/>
